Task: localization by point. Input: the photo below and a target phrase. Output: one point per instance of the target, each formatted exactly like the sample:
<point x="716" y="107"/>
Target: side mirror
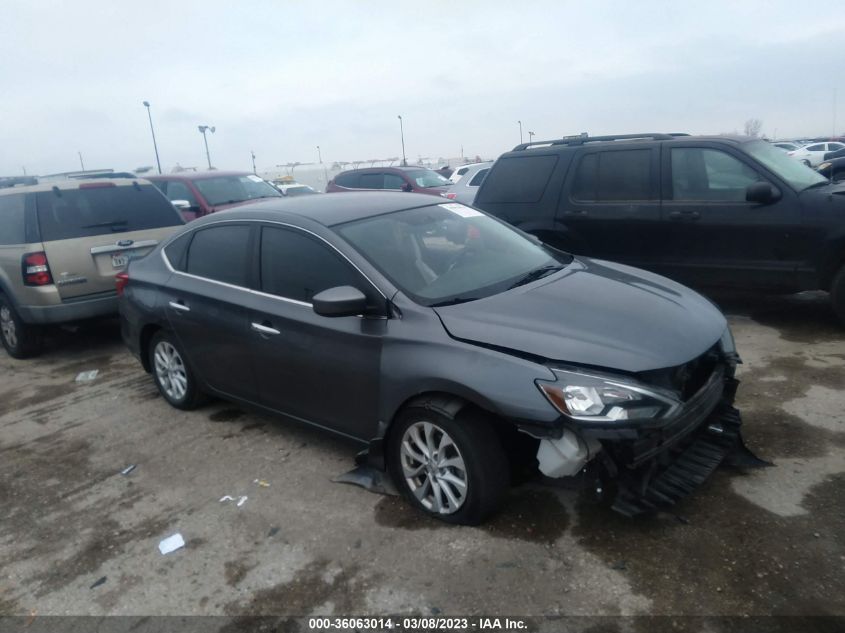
<point x="407" y="187"/>
<point x="182" y="205"/>
<point x="762" y="193"/>
<point x="339" y="301"/>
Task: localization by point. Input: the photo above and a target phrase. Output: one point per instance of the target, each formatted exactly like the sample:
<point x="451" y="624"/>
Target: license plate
<point x="119" y="261"/>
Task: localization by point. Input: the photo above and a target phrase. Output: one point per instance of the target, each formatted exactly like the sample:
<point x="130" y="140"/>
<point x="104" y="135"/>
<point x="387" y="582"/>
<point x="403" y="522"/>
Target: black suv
<point x="725" y="211"/>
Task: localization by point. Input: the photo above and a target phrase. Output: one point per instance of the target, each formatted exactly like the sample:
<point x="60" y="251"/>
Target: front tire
<point x="20" y="339"/>
<point x="455" y="470"/>
<point x="837" y="294"/>
<point x="172" y="375"/>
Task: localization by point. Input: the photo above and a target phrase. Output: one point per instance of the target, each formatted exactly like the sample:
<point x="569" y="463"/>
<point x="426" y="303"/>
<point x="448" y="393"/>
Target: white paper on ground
<point x="87" y="376"/>
<point x="171" y="544"/>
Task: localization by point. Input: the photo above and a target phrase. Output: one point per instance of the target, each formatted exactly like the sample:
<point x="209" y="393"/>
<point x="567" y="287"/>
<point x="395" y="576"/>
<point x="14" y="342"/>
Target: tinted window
<point x="71" y="213"/>
<point x="834" y="146"/>
<point x="180" y="191"/>
<point x="220" y="253"/>
<point x="815" y="148"/>
<point x="614" y="176"/>
<point x="177" y="251"/>
<point x="371" y="181"/>
<point x="12" y="223"/>
<point x="297" y="266"/>
<point x="478" y="178"/>
<point x="231" y="189"/>
<point x="519" y="179"/>
<point x="348" y="180"/>
<point x="584" y="187"/>
<point x="709" y="174"/>
<point x="392" y="181"/>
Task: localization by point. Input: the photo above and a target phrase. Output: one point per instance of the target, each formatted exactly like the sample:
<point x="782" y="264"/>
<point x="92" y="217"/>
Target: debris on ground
<point x="171" y="544"/>
<point x="240" y="500"/>
<point x="273" y="531"/>
<point x="262" y="483"/>
<point x="128" y="469"/>
<point x="98" y="582"/>
<point x="87" y="376"/>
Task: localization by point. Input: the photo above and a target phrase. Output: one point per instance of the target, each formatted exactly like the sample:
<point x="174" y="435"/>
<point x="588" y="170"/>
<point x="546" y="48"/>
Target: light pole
<point x="202" y="129"/>
<point x="153" y="132"/>
<point x="402" y="134"/>
<point x="520" y="131"/>
<point x="81" y="164"/>
<point x="252" y="153"/>
<point x="319" y="155"/>
<point x="530" y="137"/>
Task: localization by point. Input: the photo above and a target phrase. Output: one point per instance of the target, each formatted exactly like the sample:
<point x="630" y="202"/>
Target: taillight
<point x="36" y="270"/>
<point x="121" y="280"/>
<point x="451" y="196"/>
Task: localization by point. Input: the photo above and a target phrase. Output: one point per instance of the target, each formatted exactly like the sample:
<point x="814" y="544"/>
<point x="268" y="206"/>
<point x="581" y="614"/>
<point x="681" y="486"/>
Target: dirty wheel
<point x="837" y="294"/>
<point x="173" y="377"/>
<point x="454" y="470"/>
<point x="20" y="339"/>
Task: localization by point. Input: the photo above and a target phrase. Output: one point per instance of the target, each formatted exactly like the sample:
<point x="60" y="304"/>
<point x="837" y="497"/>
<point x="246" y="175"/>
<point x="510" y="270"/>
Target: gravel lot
<point x="767" y="541"/>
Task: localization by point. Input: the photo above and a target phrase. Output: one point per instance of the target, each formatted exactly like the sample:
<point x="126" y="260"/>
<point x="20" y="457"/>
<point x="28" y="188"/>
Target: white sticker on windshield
<point x="461" y="210"/>
<point x="254" y="178"/>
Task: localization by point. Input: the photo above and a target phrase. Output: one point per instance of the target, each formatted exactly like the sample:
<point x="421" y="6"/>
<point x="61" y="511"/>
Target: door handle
<point x="684" y="215"/>
<point x="265" y="329"/>
<point x="179" y="306"/>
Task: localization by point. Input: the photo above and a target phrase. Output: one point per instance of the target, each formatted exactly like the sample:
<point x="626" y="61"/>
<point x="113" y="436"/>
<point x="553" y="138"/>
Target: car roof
<point x="90" y="183"/>
<point x="199" y="175"/>
<point x="393" y="167"/>
<point x="611" y="141"/>
<point x="328" y="209"/>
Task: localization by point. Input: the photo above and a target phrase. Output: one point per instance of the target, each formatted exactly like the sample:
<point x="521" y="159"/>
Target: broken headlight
<point x="596" y="398"/>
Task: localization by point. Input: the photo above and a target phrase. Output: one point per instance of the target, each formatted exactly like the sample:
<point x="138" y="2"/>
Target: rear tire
<point x="21" y="340"/>
<point x="172" y="374"/>
<point x="837" y="294"/>
<point x="453" y="470"/>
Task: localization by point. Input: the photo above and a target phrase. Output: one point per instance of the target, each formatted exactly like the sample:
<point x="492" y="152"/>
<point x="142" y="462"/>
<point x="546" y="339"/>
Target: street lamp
<point x="152" y="131"/>
<point x="520" y="131"/>
<point x="319" y="155"/>
<point x="530" y="137"/>
<point x="252" y="153"/>
<point x="202" y="129"/>
<point x="402" y="134"/>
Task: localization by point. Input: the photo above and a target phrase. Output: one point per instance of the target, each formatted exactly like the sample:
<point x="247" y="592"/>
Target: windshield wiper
<point x="817" y="184"/>
<point x="536" y="274"/>
<point x="455" y="301"/>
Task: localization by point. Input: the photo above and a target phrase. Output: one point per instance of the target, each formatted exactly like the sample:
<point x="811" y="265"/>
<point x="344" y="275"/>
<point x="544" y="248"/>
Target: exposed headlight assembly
<point x="605" y="399"/>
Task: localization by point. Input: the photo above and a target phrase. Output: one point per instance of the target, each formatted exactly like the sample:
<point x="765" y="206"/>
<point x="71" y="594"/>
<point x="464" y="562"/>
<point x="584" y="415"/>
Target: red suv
<point x="416" y="179"/>
<point x="197" y="194"/>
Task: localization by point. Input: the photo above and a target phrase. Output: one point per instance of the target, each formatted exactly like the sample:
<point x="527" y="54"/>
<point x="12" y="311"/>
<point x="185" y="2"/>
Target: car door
<point x="611" y="204"/>
<point x="322" y="370"/>
<point x="717" y="237"/>
<point x="205" y="303"/>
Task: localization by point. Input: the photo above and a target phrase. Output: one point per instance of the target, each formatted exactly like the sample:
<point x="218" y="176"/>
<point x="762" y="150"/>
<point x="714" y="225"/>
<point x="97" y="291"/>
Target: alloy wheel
<point x="170" y="371"/>
<point x="434" y="468"/>
<point x="7" y="326"/>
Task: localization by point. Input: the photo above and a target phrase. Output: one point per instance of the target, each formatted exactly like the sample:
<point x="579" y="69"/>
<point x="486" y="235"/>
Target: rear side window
<point x="220" y="253"/>
<point x="297" y="266"/>
<point x="815" y="148"/>
<point x="71" y="213"/>
<point x="371" y="181"/>
<point x="478" y="178"/>
<point x="177" y="251"/>
<point x="613" y="176"/>
<point x="349" y="180"/>
<point x="520" y="179"/>
<point x="12" y="219"/>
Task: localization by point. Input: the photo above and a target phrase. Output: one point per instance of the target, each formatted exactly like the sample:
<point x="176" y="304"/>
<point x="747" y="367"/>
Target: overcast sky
<point x="282" y="77"/>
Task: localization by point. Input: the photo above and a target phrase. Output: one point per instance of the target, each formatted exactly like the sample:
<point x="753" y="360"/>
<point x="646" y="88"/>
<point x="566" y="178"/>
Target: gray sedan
<point x="465" y="189"/>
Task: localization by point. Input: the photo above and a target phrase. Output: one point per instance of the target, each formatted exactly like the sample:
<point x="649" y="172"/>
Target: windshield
<point x="230" y="189"/>
<point x="448" y="252"/>
<point x="793" y="171"/>
<point x="428" y="178"/>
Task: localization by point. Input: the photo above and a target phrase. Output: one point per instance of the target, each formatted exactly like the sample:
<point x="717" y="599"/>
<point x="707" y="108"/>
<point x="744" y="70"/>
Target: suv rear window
<point x="71" y="213"/>
<point x="520" y="179"/>
<point x="12" y="222"/>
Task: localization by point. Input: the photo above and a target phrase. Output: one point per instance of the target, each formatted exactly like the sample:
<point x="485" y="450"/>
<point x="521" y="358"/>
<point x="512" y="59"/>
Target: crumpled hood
<point x="594" y="313"/>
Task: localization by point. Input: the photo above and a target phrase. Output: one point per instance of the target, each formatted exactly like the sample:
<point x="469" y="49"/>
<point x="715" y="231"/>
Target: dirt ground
<point x="757" y="543"/>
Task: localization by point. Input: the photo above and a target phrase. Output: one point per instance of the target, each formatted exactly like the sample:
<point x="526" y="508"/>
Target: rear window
<point x="519" y="179"/>
<point x="71" y="213"/>
<point x="12" y="222"/>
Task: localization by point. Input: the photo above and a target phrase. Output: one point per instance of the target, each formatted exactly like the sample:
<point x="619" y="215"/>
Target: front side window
<point x="12" y="219"/>
<point x="614" y="176"/>
<point x="815" y="148"/>
<point x="709" y="175"/>
<point x="428" y="178"/>
<point x="392" y="181"/>
<point x="795" y="172"/>
<point x="232" y="189"/>
<point x="296" y="266"/>
<point x="180" y="191"/>
<point x="448" y="253"/>
<point x="220" y="253"/>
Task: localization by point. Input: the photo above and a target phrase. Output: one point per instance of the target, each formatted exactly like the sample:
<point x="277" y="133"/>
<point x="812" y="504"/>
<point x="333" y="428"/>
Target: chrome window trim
<point x="114" y="248"/>
<point x="259" y="292"/>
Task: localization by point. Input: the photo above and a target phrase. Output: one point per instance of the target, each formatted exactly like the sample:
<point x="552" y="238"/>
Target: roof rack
<point x="580" y="139"/>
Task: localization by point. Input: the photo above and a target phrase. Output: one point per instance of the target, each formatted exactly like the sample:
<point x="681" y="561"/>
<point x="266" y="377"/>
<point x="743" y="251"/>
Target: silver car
<point x="465" y="189"/>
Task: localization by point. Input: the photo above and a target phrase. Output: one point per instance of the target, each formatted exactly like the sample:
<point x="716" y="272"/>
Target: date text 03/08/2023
<point x="418" y="624"/>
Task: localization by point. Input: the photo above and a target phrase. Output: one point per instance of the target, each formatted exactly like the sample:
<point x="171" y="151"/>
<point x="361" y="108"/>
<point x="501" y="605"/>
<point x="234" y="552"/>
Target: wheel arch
<point x="144" y="339"/>
<point x="832" y="260"/>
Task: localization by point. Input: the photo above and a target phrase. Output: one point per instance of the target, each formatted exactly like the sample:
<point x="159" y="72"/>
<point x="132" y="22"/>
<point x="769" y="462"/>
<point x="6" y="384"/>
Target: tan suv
<point x="61" y="245"/>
